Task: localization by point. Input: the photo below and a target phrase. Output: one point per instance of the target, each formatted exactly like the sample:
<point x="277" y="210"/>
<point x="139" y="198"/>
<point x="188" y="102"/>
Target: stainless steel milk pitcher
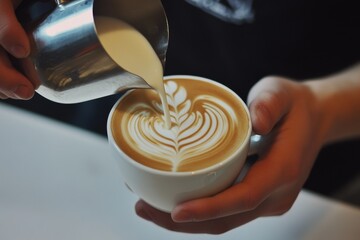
<point x="67" y="61"/>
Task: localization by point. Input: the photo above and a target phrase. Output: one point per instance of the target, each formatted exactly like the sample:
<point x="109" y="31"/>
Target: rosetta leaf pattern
<point x="192" y="133"/>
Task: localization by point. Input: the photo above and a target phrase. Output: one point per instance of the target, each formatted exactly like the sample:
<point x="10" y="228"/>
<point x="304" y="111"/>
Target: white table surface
<point x="58" y="182"/>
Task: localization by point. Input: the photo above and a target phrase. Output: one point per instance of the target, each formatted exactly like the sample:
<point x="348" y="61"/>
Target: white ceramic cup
<point x="164" y="190"/>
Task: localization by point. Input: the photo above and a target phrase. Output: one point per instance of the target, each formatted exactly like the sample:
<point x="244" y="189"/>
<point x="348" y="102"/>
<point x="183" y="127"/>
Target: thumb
<point x="12" y="36"/>
<point x="268" y="101"/>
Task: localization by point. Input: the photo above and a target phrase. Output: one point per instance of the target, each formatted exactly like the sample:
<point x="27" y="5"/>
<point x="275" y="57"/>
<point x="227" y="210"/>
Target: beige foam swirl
<point x="199" y="126"/>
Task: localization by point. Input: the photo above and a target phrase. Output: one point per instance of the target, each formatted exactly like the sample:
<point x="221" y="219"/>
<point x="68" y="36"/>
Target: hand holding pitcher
<point x="13" y="42"/>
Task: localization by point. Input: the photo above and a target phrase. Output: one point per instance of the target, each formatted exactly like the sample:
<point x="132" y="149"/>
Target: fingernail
<point x="182" y="216"/>
<point x="19" y="51"/>
<point x="23" y="92"/>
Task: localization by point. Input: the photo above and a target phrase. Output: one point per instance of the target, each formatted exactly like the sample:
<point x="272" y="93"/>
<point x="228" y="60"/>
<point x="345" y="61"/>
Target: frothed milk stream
<point x="130" y="50"/>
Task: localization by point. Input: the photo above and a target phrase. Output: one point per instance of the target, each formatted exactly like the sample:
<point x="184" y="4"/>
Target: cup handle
<point x="260" y="143"/>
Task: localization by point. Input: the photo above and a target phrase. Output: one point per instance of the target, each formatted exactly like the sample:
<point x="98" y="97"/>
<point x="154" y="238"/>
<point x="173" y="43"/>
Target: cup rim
<point x="211" y="168"/>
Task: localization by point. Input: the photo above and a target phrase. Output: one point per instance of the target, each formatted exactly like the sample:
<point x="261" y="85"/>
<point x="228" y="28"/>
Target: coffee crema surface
<point x="208" y="125"/>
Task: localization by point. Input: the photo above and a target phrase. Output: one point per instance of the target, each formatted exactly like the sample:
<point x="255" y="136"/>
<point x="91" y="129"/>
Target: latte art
<point x="204" y="127"/>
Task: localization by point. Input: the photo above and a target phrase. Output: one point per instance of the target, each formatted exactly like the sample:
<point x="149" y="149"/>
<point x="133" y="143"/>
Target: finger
<point x="268" y="103"/>
<point x="273" y="206"/>
<point x="215" y="226"/>
<point x="280" y="202"/>
<point x="3" y="96"/>
<point x="262" y="179"/>
<point x="12" y="83"/>
<point x="277" y="204"/>
<point x="12" y="36"/>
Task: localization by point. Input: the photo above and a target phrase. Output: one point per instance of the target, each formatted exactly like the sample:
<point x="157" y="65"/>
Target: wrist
<point x="323" y="109"/>
<point x="337" y="103"/>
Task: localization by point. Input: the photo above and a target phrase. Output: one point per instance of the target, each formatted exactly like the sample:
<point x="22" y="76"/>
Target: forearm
<point x="338" y="102"/>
